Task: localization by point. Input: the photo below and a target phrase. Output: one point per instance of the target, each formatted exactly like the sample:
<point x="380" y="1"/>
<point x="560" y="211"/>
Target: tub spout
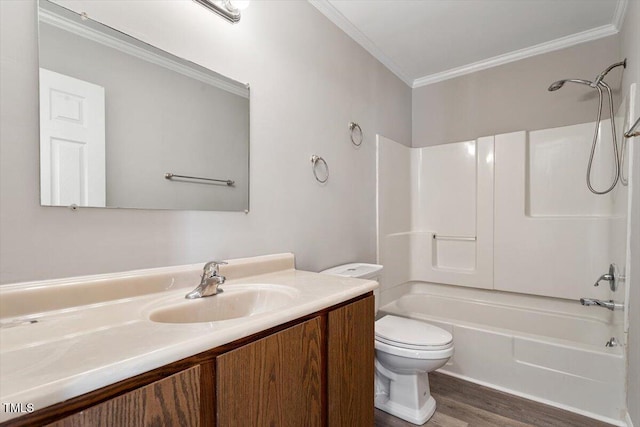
<point x="611" y="305"/>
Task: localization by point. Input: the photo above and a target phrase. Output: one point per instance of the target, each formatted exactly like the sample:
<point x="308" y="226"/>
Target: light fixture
<point x="228" y="9"/>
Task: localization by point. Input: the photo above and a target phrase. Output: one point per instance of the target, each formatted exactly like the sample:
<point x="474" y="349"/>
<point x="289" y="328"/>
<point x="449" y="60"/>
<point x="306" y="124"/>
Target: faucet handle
<point x="211" y="268"/>
<point x="609" y="277"/>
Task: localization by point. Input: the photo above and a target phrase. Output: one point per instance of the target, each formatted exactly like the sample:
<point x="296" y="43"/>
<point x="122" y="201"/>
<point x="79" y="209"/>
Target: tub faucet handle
<point x="609" y="277"/>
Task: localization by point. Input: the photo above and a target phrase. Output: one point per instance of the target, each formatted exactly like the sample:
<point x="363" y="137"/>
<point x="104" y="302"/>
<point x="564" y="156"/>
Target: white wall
<point x="308" y="80"/>
<point x="454" y="191"/>
<point x="395" y="177"/>
<point x="552" y="235"/>
<point x="524" y="222"/>
<point x="630" y="40"/>
<point x="446" y="191"/>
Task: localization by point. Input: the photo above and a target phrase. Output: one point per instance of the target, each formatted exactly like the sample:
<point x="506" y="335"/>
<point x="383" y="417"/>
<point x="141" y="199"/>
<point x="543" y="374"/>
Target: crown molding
<point x="557" y="44"/>
<point x="77" y="28"/>
<point x="328" y="10"/>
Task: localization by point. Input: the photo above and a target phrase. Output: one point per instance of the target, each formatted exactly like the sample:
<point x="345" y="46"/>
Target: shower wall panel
<point x="435" y="213"/>
<point x="394" y="177"/>
<point x="510" y="212"/>
<point x="453" y="218"/>
<point x="551" y="234"/>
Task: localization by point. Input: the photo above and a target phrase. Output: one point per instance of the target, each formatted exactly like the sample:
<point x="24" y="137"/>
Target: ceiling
<point x="426" y="41"/>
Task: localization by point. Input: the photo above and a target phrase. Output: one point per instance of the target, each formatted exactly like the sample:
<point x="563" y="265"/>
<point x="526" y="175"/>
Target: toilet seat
<point x="411" y="334"/>
<point x="414" y="347"/>
<point x="410" y="353"/>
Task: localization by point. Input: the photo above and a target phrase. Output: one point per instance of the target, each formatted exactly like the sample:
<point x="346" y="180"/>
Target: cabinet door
<point x="173" y="401"/>
<point x="275" y="381"/>
<point x="350" y="335"/>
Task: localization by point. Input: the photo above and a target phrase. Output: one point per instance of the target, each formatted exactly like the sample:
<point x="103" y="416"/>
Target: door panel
<point x="72" y="141"/>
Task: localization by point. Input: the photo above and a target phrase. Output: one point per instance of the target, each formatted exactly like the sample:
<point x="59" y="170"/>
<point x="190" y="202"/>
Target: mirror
<point x="124" y="124"/>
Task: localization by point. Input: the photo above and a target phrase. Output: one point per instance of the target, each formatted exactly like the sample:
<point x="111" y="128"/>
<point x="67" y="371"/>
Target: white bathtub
<point x="544" y="349"/>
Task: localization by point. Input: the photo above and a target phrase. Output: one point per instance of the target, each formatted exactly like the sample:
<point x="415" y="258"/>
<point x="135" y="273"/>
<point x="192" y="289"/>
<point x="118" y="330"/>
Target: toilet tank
<point x="358" y="270"/>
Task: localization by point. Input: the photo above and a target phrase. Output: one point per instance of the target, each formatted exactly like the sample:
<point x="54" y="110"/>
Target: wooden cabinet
<point x="314" y="371"/>
<point x="173" y="401"/>
<point x="275" y="381"/>
<point x="350" y="367"/>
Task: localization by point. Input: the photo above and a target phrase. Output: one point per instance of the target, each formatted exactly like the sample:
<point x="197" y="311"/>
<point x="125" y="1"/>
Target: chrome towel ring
<point x="315" y="161"/>
<point x="356" y="133"/>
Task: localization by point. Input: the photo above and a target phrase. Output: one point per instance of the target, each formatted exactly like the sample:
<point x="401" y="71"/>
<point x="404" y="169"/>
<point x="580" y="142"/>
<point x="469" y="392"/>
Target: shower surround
<point x="511" y="215"/>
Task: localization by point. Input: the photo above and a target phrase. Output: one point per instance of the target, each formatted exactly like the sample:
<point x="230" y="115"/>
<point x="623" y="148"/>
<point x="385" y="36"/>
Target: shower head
<point x="557" y="85"/>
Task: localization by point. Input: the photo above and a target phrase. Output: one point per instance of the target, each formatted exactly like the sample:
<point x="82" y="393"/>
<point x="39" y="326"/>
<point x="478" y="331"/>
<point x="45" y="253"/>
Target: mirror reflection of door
<point x="72" y="141"/>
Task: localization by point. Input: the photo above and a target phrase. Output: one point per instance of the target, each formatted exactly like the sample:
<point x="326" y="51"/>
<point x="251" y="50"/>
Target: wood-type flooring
<point x="464" y="404"/>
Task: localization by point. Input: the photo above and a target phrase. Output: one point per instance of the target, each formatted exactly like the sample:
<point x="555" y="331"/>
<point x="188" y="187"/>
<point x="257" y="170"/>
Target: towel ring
<point x="314" y="162"/>
<point x="356" y="133"/>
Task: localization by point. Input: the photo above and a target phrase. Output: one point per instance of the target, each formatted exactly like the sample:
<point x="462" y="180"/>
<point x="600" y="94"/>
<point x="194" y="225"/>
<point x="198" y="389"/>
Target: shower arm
<point x="600" y="76"/>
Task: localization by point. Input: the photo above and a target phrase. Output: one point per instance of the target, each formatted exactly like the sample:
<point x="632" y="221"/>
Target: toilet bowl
<point x="406" y="351"/>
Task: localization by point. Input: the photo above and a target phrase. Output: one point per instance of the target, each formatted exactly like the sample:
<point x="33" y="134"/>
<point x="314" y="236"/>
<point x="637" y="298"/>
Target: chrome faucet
<point x="210" y="281"/>
<point x="611" y="305"/>
<point x="611" y="277"/>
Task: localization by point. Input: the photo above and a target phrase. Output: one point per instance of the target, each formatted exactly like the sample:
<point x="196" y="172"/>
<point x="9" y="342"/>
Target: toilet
<point x="406" y="351"/>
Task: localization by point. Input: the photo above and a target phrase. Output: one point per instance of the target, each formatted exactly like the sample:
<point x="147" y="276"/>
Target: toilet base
<point x="415" y="416"/>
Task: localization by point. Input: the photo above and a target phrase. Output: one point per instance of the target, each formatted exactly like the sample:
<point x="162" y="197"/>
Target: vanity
<point x="289" y="348"/>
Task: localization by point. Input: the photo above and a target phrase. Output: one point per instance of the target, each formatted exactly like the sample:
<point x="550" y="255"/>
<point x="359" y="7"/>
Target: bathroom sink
<point x="236" y="301"/>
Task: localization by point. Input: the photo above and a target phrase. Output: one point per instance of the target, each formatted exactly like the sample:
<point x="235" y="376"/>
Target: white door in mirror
<point x="72" y="141"/>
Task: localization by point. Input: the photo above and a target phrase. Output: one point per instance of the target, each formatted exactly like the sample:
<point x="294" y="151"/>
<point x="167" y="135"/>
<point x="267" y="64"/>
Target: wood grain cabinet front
<point x="350" y="364"/>
<point x="275" y="381"/>
<point x="173" y="401"/>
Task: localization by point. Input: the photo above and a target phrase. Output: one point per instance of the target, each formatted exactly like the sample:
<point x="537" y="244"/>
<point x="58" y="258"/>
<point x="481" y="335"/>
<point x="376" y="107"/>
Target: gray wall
<point x="159" y="121"/>
<point x="308" y="80"/>
<point x="514" y="96"/>
<point x="631" y="49"/>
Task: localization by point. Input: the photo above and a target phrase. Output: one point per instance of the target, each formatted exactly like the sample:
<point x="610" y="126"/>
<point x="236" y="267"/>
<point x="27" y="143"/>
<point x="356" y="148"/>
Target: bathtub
<point x="548" y="350"/>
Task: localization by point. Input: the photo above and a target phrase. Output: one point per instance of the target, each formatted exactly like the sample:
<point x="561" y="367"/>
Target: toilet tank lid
<point x="410" y="331"/>
<point x="356" y="269"/>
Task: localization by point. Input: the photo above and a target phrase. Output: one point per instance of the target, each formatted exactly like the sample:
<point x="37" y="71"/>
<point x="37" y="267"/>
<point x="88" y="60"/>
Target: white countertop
<point x="73" y="350"/>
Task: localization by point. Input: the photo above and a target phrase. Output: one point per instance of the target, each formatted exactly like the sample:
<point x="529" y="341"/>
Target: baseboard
<point x="627" y="419"/>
